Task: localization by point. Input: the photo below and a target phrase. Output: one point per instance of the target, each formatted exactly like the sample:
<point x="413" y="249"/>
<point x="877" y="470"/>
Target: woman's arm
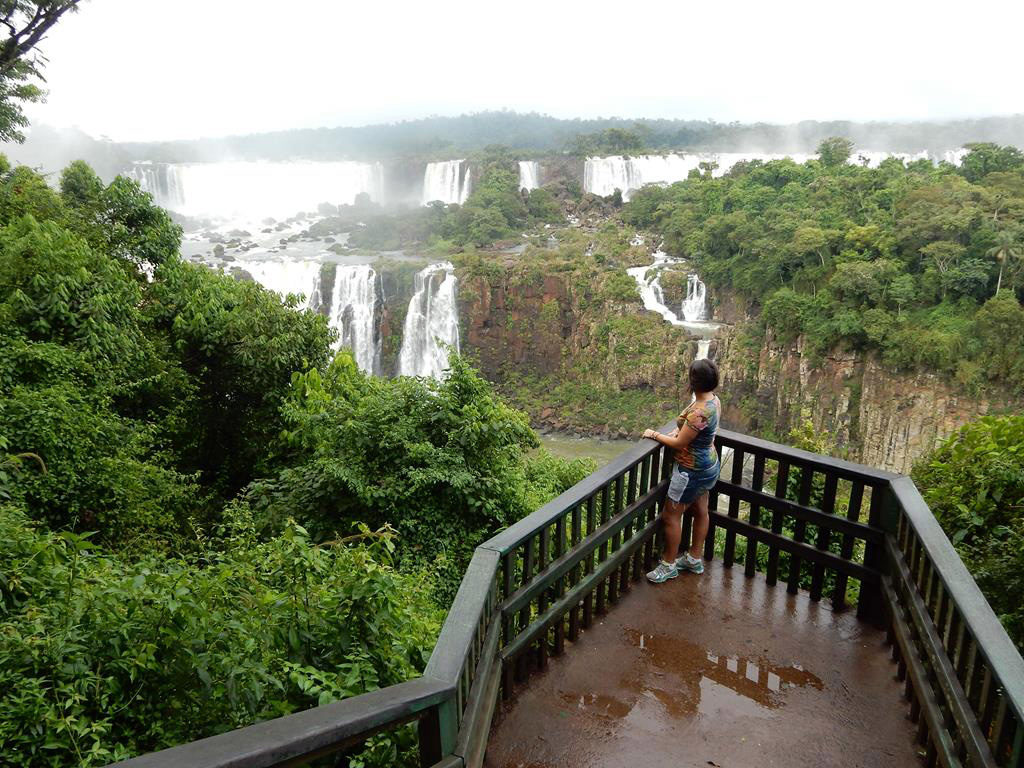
<point x="678" y="438"/>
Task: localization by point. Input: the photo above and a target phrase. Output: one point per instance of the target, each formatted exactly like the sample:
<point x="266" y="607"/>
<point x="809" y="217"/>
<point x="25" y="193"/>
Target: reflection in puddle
<point x="686" y="681"/>
<point x="597" y="704"/>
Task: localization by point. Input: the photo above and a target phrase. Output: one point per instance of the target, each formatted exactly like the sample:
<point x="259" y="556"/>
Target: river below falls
<point x="572" y="447"/>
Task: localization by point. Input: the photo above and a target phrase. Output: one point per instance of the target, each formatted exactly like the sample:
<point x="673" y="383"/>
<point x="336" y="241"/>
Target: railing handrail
<point x="847" y="469"/>
<point x="451" y="650"/>
<point x="523" y="529"/>
<point x="993" y="641"/>
<point x="305" y="734"/>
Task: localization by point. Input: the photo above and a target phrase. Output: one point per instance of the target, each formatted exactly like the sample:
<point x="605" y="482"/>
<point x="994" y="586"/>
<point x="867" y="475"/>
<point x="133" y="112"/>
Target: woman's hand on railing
<point x="650" y="434"/>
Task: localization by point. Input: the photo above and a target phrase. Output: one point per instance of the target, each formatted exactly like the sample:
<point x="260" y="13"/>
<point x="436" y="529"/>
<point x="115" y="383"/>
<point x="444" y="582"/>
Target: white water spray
<point x="431" y="323"/>
<point x="285" y="276"/>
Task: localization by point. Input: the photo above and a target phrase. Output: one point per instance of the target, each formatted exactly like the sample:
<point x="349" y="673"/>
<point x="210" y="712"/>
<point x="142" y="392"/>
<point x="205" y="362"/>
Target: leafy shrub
<point x="444" y="463"/>
<point x="102" y="659"/>
<point x="974" y="483"/>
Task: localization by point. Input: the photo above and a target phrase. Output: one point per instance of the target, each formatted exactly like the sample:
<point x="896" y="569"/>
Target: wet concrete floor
<point x="712" y="670"/>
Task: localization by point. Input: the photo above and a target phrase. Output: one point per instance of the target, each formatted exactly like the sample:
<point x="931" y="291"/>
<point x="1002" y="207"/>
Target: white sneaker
<point x="663" y="572"/>
<point x="692" y="564"/>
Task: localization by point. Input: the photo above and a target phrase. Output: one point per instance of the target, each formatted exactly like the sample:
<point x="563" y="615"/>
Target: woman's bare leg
<point x="699" y="508"/>
<point x="672" y="527"/>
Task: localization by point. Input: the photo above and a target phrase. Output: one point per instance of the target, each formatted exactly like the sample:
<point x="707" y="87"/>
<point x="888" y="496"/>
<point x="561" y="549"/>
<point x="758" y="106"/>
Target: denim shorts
<point x="687" y="485"/>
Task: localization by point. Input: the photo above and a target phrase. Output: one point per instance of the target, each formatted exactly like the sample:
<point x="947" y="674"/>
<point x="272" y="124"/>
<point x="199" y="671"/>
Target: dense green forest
<point x="919" y="262"/>
<point x="205" y="519"/>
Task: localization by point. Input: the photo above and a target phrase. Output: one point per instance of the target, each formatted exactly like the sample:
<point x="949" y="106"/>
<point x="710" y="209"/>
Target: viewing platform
<point x="834" y="625"/>
<point x="712" y="670"/>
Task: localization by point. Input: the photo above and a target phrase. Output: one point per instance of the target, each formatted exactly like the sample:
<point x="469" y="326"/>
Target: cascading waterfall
<point x="694" y="305"/>
<point x="648" y="280"/>
<point x="255" y="189"/>
<point x="431" y="323"/>
<point x="703" y="346"/>
<point x="353" y="313"/>
<point x="529" y="174"/>
<point x="447" y="181"/>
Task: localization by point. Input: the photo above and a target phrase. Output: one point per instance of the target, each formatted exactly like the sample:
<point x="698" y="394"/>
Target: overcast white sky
<point x="164" y="69"/>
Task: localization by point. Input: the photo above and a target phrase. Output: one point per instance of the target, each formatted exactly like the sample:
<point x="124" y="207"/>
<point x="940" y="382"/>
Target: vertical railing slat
<point x="828" y="504"/>
<point x="781" y="482"/>
<point x="800" y="528"/>
<point x="729" y="554"/>
<point x="756" y="483"/>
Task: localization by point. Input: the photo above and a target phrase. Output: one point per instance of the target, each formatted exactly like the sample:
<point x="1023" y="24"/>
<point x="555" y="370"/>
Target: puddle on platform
<point x="596" y="704"/>
<point x="682" y="680"/>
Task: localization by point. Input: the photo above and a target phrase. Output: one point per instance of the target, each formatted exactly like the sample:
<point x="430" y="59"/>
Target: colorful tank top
<point x="702" y="418"/>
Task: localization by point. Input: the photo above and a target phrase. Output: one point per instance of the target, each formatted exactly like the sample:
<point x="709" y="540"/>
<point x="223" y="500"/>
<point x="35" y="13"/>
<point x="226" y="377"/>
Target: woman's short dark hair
<point x="703" y="375"/>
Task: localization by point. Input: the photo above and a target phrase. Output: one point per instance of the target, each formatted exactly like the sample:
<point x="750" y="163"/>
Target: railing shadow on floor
<point x="860" y="536"/>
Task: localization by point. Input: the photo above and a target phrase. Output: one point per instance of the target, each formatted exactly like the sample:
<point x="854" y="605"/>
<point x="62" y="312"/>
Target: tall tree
<point x="21" y="63"/>
<point x="1007" y="246"/>
<point x="834" y="151"/>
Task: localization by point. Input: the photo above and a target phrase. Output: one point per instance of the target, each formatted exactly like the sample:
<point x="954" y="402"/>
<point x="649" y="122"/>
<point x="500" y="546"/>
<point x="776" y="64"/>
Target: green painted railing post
<point x="438" y="730"/>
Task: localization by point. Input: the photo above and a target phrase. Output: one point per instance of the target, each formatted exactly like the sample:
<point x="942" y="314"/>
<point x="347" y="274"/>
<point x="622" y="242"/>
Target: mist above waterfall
<point x="257" y="189"/>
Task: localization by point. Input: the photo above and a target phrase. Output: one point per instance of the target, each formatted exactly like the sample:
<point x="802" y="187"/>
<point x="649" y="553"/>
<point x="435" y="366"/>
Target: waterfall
<point x="353" y="313"/>
<point x="255" y="189"/>
<point x="431" y="322"/>
<point x="447" y="181"/>
<point x="693" y="307"/>
<point x="703" y="345"/>
<point x="317" y="300"/>
<point x="529" y="175"/>
<point x="648" y="280"/>
<point x="162" y="181"/>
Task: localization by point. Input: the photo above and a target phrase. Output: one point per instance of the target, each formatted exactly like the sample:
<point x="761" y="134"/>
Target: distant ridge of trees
<point x="536" y="134"/>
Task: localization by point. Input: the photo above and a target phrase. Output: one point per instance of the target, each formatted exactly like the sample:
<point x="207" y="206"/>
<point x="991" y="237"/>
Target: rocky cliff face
<point x="874" y="415"/>
<point x="550" y="327"/>
<point x="590" y="363"/>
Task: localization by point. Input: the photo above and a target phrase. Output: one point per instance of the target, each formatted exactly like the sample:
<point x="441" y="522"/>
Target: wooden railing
<point x="962" y="674"/>
<point x="859" y="536"/>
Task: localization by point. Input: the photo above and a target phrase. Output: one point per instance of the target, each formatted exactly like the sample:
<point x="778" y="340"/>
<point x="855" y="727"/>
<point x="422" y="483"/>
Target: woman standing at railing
<point x="694" y="473"/>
